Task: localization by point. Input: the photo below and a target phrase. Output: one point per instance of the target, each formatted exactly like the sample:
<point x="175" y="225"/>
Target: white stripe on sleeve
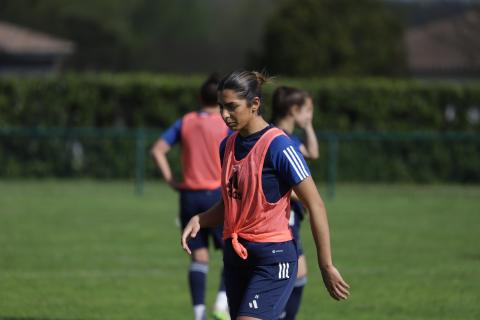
<point x="292" y="154"/>
<point x="299" y="160"/>
<point x="292" y="163"/>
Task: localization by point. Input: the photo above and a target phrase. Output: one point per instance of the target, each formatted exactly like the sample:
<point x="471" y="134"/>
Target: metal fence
<point x="141" y="139"/>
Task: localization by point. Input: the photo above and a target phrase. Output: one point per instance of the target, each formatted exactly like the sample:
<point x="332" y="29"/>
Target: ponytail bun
<point x="262" y="77"/>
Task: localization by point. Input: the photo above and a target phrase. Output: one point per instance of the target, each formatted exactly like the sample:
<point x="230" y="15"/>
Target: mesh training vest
<point x="247" y="212"/>
<point x="201" y="135"/>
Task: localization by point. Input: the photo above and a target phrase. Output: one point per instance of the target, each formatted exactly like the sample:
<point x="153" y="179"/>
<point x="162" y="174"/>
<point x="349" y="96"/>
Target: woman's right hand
<point x="174" y="184"/>
<point x="190" y="231"/>
<point x="334" y="283"/>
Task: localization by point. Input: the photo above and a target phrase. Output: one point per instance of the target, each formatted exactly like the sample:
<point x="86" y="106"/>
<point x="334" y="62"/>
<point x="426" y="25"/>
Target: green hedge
<point x="130" y="101"/>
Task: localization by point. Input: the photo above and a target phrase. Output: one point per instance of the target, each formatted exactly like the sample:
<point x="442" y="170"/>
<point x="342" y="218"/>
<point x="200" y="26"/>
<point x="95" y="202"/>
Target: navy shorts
<point x="193" y="202"/>
<point x="296" y="217"/>
<point x="260" y="286"/>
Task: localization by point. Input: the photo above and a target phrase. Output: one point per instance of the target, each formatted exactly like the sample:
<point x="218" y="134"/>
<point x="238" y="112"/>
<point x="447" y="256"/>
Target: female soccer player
<point x="200" y="134"/>
<point x="293" y="107"/>
<point x="260" y="167"/>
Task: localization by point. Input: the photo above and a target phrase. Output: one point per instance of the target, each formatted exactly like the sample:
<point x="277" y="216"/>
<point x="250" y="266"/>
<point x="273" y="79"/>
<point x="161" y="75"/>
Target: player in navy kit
<point x="293" y="107"/>
<point x="200" y="134"/>
<point x="260" y="167"/>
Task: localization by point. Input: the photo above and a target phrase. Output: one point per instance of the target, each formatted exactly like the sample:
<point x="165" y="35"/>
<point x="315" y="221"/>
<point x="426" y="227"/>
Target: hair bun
<point x="262" y="77"/>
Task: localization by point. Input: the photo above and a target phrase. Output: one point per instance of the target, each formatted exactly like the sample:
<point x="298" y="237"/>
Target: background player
<point x="199" y="134"/>
<point x="293" y="107"/>
<point x="259" y="169"/>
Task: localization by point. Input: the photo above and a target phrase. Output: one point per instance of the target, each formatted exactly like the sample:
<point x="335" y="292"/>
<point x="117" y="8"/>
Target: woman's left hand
<point x="334" y="283"/>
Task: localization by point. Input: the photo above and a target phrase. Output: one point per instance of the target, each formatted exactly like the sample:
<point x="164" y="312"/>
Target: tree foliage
<point x="324" y="37"/>
<point x="131" y="101"/>
<point x="155" y="35"/>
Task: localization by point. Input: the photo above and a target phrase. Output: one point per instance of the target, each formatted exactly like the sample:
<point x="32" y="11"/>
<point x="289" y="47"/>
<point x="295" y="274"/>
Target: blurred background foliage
<point x="155" y="35"/>
<point x="123" y="102"/>
<point x="311" y="37"/>
<point x="293" y="37"/>
<point x="357" y="47"/>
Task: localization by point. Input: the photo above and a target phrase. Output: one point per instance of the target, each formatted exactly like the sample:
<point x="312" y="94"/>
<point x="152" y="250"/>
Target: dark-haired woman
<point x="260" y="167"/>
<point x="293" y="107"/>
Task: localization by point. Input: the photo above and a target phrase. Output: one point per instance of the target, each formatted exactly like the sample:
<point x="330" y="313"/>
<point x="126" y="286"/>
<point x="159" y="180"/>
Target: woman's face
<point x="235" y="111"/>
<point x="303" y="114"/>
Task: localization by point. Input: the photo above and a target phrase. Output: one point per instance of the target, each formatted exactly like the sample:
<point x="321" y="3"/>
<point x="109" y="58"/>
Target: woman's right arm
<point x="210" y="218"/>
<point x="309" y="148"/>
<point x="162" y="146"/>
<point x="159" y="153"/>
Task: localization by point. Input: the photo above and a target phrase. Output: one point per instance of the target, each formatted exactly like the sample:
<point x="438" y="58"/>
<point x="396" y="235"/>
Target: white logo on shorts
<point x="283" y="268"/>
<point x="254" y="304"/>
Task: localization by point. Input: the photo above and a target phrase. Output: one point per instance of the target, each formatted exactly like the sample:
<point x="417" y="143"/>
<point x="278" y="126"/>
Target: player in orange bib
<point x="199" y="134"/>
<point x="260" y="168"/>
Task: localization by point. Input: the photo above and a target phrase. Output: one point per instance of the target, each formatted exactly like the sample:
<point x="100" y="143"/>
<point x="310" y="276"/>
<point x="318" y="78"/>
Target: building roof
<point x="446" y="45"/>
<point x="23" y="41"/>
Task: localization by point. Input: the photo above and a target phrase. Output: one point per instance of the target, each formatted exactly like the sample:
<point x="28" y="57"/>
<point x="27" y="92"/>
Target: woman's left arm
<point x="308" y="194"/>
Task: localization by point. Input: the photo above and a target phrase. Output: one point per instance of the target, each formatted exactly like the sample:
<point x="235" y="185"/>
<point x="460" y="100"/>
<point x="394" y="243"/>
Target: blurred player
<point x="260" y="166"/>
<point x="199" y="134"/>
<point x="293" y="107"/>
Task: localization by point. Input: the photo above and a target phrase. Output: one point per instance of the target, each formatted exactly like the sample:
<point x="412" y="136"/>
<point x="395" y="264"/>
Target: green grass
<point x="92" y="250"/>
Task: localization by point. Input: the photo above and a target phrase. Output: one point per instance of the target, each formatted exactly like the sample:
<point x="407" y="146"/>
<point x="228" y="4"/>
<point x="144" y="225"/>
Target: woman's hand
<point x="208" y="219"/>
<point x="174" y="184"/>
<point x="305" y="123"/>
<point x="304" y="118"/>
<point x="190" y="231"/>
<point x="334" y="283"/>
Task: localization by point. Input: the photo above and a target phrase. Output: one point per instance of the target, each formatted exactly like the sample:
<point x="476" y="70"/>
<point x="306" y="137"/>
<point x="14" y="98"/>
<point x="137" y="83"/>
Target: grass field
<point x="92" y="250"/>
